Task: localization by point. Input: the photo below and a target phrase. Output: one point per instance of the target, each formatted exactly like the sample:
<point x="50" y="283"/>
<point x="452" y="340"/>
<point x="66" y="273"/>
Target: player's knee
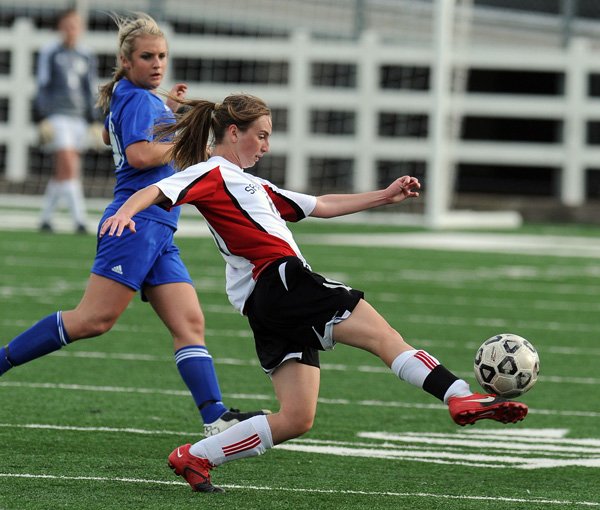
<point x="197" y="326"/>
<point x="301" y="424"/>
<point x="97" y="326"/>
<point x="189" y="330"/>
<point x="390" y="339"/>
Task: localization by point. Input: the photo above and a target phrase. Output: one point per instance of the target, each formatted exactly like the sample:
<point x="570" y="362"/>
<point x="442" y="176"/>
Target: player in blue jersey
<point x="150" y="262"/>
<point x="64" y="106"/>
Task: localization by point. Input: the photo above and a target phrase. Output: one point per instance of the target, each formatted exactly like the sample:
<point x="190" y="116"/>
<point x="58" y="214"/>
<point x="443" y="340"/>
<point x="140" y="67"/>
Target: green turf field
<point x="90" y="427"/>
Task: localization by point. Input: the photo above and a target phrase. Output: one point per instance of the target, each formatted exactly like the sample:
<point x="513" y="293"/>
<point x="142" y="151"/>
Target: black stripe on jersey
<point x="186" y="190"/>
<point x="299" y="212"/>
<point x="237" y="205"/>
<point x="217" y="238"/>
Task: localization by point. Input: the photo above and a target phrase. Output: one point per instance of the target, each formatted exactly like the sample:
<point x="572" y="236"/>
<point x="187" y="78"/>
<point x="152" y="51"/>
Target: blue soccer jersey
<point x="134" y="112"/>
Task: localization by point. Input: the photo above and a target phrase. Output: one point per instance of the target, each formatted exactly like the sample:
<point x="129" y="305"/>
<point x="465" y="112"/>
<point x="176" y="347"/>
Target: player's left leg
<point x="368" y="330"/>
<point x="51" y="198"/>
<point x="68" y="174"/>
<point x="178" y="307"/>
<point x="296" y="387"/>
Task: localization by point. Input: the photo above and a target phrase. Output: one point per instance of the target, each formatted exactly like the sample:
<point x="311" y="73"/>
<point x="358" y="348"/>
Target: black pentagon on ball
<point x="478" y="356"/>
<point x="529" y="346"/>
<point x="508" y="366"/>
<point x="511" y="346"/>
<point x="523" y="379"/>
<point x="494" y="339"/>
<point x="487" y="373"/>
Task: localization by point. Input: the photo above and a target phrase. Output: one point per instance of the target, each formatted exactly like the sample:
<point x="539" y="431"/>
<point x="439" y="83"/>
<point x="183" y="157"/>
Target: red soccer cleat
<point x="195" y="470"/>
<point x="467" y="410"/>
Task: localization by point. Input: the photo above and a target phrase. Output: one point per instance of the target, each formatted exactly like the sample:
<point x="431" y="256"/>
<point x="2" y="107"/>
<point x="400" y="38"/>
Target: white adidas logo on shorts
<point x="117" y="269"/>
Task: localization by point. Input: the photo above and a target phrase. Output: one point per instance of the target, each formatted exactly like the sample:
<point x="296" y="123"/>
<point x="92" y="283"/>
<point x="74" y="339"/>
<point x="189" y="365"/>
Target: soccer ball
<point x="507" y="365"/>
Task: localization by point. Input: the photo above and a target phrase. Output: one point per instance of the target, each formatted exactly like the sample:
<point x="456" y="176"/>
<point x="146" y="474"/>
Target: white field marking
<point x="487" y="277"/>
<point x="246" y="333"/>
<point x="515" y="437"/>
<point x="109" y="430"/>
<point x="121" y="389"/>
<point x="425" y="495"/>
<point x="539" y="445"/>
<point x="446" y="321"/>
<point x="550" y="436"/>
<point x="208" y="285"/>
<point x="325" y="366"/>
<point x="551" y="448"/>
<point x="460" y="448"/>
<point x="507" y="459"/>
<point x="521" y="433"/>
<point x="495" y="303"/>
<point x="243" y="333"/>
<point x="212" y="284"/>
<point x="504" y="287"/>
<point x="246" y="396"/>
<point x="567" y="327"/>
<point x="429" y="457"/>
<point x="58" y="263"/>
<point x="545" y="245"/>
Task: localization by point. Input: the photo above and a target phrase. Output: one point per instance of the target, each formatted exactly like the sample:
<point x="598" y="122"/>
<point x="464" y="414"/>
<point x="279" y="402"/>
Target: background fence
<point x="489" y="99"/>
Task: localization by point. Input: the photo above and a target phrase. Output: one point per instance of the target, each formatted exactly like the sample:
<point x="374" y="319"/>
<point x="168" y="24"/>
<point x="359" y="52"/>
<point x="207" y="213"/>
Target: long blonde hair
<point x="192" y="129"/>
<point x="130" y="28"/>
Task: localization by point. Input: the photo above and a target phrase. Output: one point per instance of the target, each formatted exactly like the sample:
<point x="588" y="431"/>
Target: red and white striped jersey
<point x="247" y="216"/>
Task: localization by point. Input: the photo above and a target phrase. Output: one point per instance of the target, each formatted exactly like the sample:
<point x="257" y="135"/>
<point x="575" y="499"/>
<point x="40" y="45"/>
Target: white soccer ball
<point x="507" y="365"/>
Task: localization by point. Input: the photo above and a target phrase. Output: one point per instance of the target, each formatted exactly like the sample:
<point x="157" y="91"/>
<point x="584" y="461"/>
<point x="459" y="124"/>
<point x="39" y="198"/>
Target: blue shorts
<point x="148" y="257"/>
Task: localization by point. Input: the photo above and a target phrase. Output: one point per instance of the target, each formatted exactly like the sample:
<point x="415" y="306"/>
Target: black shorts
<point x="292" y="312"/>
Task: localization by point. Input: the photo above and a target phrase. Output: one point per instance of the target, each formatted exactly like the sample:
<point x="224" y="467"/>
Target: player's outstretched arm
<point x="140" y="200"/>
<point x="329" y="206"/>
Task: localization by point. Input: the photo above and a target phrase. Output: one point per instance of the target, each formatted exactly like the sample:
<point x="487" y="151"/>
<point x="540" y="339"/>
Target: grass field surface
<point x="90" y="427"/>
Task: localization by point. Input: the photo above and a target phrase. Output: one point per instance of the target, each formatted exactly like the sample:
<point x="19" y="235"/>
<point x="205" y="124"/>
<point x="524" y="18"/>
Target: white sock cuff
<point x="263" y="429"/>
<point x="459" y="388"/>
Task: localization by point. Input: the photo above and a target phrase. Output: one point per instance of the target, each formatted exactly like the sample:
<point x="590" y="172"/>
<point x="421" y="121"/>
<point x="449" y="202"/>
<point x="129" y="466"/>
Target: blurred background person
<point x="64" y="106"/>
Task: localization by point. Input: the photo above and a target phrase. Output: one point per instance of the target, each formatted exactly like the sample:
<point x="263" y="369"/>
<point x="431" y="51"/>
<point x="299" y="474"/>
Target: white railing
<point x="573" y="156"/>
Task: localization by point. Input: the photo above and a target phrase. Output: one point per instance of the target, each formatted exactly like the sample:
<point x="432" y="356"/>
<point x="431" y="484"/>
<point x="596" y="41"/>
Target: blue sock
<point x="196" y="367"/>
<point x="46" y="336"/>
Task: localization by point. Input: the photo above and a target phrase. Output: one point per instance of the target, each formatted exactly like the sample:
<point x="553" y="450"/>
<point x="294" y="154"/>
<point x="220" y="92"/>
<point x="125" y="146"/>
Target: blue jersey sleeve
<point x="137" y="122"/>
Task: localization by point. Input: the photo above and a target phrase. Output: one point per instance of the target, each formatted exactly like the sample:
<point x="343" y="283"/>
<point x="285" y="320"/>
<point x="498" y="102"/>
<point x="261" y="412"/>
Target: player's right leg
<point x="50" y="200"/>
<point x="368" y="330"/>
<point x="103" y="302"/>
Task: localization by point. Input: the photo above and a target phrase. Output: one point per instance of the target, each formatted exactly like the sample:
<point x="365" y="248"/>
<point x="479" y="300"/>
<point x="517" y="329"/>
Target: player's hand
<point x="96" y="136"/>
<point x="45" y="132"/>
<point x="402" y="188"/>
<point x="115" y="224"/>
<point x="178" y="91"/>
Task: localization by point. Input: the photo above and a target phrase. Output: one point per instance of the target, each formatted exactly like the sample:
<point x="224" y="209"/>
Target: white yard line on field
<point x="142" y="329"/>
<point x="325" y="366"/>
<point x="192" y="225"/>
<point x="468" y="241"/>
<point x="340" y="367"/>
<point x="425" y="495"/>
<point x="246" y="396"/>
